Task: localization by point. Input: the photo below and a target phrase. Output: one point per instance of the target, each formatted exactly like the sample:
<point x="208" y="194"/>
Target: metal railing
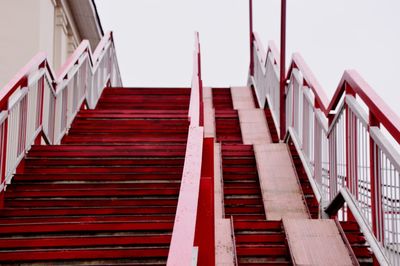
<point x="182" y="248"/>
<point x="39" y="103"/>
<point x="340" y="142"/>
<point x="196" y="94"/>
<point x="266" y="77"/>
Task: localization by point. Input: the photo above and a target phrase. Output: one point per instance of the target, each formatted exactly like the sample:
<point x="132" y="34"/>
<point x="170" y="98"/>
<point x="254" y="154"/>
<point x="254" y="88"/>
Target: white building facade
<point x="55" y="27"/>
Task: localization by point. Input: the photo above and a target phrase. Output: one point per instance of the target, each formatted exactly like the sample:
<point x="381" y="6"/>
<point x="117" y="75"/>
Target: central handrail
<point x="183" y="234"/>
<point x="181" y="251"/>
<point x="40" y="103"/>
<point x="196" y="94"/>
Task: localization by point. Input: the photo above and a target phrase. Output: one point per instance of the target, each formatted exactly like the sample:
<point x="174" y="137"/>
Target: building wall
<point x="31" y="26"/>
<point x="46" y="27"/>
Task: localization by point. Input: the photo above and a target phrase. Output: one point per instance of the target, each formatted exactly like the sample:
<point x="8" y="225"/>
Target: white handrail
<point x="40" y="103"/>
<point x="339" y="142"/>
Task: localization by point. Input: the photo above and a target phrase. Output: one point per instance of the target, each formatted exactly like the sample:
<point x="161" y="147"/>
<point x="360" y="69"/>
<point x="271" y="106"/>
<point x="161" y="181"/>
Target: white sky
<point x="154" y="39"/>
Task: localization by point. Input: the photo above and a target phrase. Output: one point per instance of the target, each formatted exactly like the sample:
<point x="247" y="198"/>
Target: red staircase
<point x="108" y="194"/>
<point x="227" y="125"/>
<point x="133" y="184"/>
<point x="268" y="116"/>
<point x="242" y="194"/>
<point x="258" y="242"/>
<point x="358" y="243"/>
<point x="311" y="200"/>
<point x="261" y="243"/>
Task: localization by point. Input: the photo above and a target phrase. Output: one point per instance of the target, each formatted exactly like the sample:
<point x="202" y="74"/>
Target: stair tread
<point x="108" y="194"/>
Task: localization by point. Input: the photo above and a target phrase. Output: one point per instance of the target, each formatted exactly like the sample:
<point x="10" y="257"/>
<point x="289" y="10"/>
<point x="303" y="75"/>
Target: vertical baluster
<point x="3" y="157"/>
<point x="317" y="153"/>
<point x="375" y="173"/>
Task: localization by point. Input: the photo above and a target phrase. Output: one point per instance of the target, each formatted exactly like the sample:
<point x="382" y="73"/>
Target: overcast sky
<point x="154" y="39"/>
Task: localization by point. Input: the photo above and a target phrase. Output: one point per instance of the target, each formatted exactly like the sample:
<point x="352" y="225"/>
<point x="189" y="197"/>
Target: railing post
<point x="251" y="38"/>
<point x="3" y="156"/>
<point x="40" y="108"/>
<point x="282" y="82"/>
<point x="205" y="234"/>
<point x="332" y="160"/>
<point x="201" y="114"/>
<point x="351" y="148"/>
<point x="317" y="148"/>
<point x="376" y="195"/>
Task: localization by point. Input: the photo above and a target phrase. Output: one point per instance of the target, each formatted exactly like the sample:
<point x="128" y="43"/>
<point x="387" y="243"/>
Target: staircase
<point x="257" y="241"/>
<point x="134" y="181"/>
<point x="108" y="194"/>
<point x="226" y="118"/>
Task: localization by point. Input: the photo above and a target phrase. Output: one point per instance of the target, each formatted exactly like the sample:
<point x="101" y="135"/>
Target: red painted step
<point x="261" y="243"/>
<point x="156" y="174"/>
<point x="226" y="119"/>
<point x="108" y="194"/>
<point x="311" y="200"/>
<point x="357" y="242"/>
<point x="258" y="242"/>
<point x="242" y="194"/>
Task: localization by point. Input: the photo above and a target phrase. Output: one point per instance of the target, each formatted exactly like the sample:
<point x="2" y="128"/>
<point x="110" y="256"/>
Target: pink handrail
<point x="83" y="47"/>
<point x="40" y="61"/>
<point x="355" y="84"/>
<point x="376" y="105"/>
<point x="343" y="132"/>
<point x="309" y="80"/>
<point x="38" y="75"/>
<point x="271" y="48"/>
<point x="383" y="113"/>
<point x="196" y="97"/>
<point x="183" y="235"/>
<point x="21" y="78"/>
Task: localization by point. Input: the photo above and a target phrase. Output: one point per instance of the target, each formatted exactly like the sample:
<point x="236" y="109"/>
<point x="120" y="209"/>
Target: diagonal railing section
<point x="343" y="143"/>
<point x="182" y="248"/>
<point x="39" y="103"/>
<point x="266" y="77"/>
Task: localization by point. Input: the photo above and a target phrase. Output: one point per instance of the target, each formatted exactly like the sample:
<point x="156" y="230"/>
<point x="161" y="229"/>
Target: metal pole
<point x="251" y="37"/>
<point x="282" y="83"/>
